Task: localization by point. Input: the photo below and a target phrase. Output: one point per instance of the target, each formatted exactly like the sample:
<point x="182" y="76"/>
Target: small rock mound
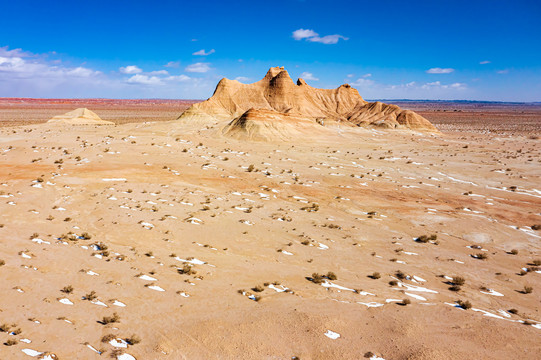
<point x="80" y="116"/>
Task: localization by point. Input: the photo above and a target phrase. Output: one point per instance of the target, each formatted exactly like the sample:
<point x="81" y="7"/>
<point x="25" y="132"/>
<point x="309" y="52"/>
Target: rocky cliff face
<point x="276" y="95"/>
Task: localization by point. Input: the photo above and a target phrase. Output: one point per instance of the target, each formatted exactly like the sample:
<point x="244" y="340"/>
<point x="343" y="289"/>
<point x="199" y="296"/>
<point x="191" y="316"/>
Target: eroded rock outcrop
<point x="276" y="102"/>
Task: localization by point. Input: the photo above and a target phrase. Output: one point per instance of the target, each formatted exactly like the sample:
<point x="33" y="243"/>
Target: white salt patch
<point x="492" y="292"/>
<point x="97" y="302"/>
<point x="504" y="313"/>
<point x="183" y="294"/>
<point x="156" y="287"/>
<point x="147" y="278"/>
<point x="371" y="304"/>
<point x="418" y="297"/>
<point x="393" y="300"/>
<point x="119" y="343"/>
<point x="409" y="253"/>
<point x="489" y="314"/>
<point x="281" y="288"/>
<point x="286" y="252"/>
<point x="26" y="341"/>
<point x="419" y="278"/>
<point x="192" y="261"/>
<point x="93" y="348"/>
<point x="147" y="225"/>
<point x="415" y="288"/>
<point x="26" y="256"/>
<point x="119" y="303"/>
<point x="125" y="357"/>
<point x="65" y="301"/>
<point x="90" y="272"/>
<point x="322" y="246"/>
<point x="31" y="352"/>
<point x="332" y="335"/>
<point x="39" y="241"/>
<point x="194" y="220"/>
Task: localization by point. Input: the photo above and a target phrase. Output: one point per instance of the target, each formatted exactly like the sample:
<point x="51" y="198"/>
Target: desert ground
<point x="152" y="239"/>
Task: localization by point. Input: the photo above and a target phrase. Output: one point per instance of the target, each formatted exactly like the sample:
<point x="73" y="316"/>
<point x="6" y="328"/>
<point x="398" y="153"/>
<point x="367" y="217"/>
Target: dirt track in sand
<point x="157" y="197"/>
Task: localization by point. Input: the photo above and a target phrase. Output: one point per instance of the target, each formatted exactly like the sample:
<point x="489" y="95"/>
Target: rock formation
<point x="279" y="106"/>
<point x="80" y="116"/>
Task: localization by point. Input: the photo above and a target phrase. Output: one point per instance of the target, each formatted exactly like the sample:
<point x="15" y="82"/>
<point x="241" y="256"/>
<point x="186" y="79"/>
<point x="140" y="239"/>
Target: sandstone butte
<point x="80" y="116"/>
<point x="276" y="107"/>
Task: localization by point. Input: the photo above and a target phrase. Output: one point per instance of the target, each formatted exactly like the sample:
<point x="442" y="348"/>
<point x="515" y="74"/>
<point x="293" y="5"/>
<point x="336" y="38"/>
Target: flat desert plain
<point x="155" y="240"/>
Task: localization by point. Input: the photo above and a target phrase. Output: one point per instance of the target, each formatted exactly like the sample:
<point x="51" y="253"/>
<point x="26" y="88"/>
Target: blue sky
<point x="477" y="50"/>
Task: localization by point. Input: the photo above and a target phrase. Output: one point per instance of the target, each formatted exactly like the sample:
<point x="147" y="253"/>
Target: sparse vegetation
<point x="481" y="256"/>
<point x="107" y="338"/>
<point x="110" y="319"/>
<point x="133" y="340"/>
<point x="527" y="290"/>
<point x="375" y="275"/>
<point x="464" y="304"/>
<point x="67" y="289"/>
<point x="11" y="342"/>
<point x="258" y="288"/>
<point x="90" y="296"/>
<point x="318" y="279"/>
<point x="426" y="238"/>
<point x="406" y="302"/>
<point x="186" y="270"/>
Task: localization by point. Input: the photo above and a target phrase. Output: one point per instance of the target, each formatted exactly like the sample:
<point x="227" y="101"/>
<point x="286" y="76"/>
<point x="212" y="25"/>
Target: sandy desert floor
<point x="150" y="240"/>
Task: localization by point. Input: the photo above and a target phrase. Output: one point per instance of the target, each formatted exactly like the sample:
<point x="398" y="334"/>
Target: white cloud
<point x="438" y="70"/>
<point x="199" y="67"/>
<point x="82" y="72"/>
<point x="308" y="76"/>
<point x="367" y="75"/>
<point x="363" y="82"/>
<point x="173" y="64"/>
<point x="439" y="85"/>
<point x="178" y="78"/>
<point x="144" y="80"/>
<point x="159" y="72"/>
<point x="303" y="34"/>
<point x="203" y="53"/>
<point x="328" y="39"/>
<point x="350" y="75"/>
<point x="13" y="53"/>
<point x="131" y="69"/>
<point x="312" y="36"/>
<point x="23" y="74"/>
<point x="484" y="62"/>
<point x="242" y="79"/>
<point x="505" y="71"/>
